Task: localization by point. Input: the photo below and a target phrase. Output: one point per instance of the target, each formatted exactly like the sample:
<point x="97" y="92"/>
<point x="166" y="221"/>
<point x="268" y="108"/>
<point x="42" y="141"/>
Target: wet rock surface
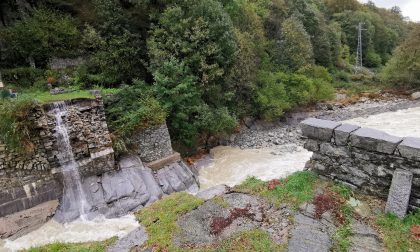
<point x="197" y="228"/>
<point x="135" y="238"/>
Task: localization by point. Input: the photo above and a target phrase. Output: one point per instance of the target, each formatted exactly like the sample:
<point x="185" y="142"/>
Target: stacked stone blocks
<point x="365" y="159"/>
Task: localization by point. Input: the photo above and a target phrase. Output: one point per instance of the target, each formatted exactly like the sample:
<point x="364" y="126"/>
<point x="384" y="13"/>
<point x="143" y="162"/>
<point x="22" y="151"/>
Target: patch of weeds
<point x="219" y="200"/>
<point x="341" y="239"/>
<point x="46" y="97"/>
<point x="255" y="240"/>
<point x="343" y="190"/>
<point x="160" y="219"/>
<point x="218" y="224"/>
<point x="75" y="247"/>
<point x="296" y="189"/>
<point x="397" y="233"/>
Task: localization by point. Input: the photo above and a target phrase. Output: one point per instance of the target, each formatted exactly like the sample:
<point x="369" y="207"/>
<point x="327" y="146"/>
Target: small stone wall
<point x="89" y="136"/>
<point x="28" y="179"/>
<point x="152" y="144"/>
<point x="362" y="158"/>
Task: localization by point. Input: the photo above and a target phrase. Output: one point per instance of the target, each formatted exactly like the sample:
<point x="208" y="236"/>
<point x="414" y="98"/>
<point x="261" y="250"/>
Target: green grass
<point x="396" y="232"/>
<point x="341" y="239"/>
<point x="160" y="219"/>
<point x="255" y="240"/>
<point x="75" y="247"/>
<point x="295" y="190"/>
<point x="46" y="97"/>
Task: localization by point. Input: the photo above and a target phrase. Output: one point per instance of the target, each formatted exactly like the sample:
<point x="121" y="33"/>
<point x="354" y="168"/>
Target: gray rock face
<point x="318" y="129"/>
<point x="410" y="148"/>
<point x="342" y="133"/>
<point x="375" y="140"/>
<point x="415" y="96"/>
<point x="365" y="239"/>
<point x="116" y="193"/>
<point x="195" y="226"/>
<point x="399" y="194"/>
<point x="213" y="192"/>
<point x="310" y="234"/>
<point x="135" y="238"/>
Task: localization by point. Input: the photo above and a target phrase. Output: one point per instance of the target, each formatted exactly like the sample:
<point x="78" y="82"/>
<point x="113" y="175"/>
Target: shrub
<point x="15" y="128"/>
<point x="23" y="77"/>
<point x="131" y="109"/>
<point x="373" y="59"/>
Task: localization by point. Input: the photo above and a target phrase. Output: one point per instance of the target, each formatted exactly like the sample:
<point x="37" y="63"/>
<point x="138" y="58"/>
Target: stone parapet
<point x="363" y="158"/>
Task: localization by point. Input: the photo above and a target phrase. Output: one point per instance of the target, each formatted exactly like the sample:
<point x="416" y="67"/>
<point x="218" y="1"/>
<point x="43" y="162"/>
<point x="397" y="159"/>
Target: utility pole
<point x="359" y="54"/>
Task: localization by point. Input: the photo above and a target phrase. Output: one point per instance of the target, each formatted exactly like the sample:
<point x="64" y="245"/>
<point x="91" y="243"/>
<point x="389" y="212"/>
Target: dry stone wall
<point x="28" y="179"/>
<point x="363" y="158"/>
<point x="153" y="143"/>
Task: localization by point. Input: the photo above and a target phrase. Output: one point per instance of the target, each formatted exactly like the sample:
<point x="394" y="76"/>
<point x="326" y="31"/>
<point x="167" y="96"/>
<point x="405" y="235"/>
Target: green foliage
<point x="373" y="59"/>
<point x="296" y="189"/>
<point x="44" y="34"/>
<point x="22" y="77"/>
<point x="404" y="67"/>
<point x="160" y="218"/>
<point x="15" y="128"/>
<point x="255" y="240"/>
<point x="396" y="232"/>
<point x="272" y="98"/>
<point x="296" y="48"/>
<point x="75" y="247"/>
<point x="341" y="238"/>
<point x="131" y="109"/>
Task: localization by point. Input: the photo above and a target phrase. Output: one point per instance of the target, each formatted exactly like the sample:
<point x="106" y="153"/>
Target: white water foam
<point x="98" y="229"/>
<point x="231" y="165"/>
<point x="402" y="123"/>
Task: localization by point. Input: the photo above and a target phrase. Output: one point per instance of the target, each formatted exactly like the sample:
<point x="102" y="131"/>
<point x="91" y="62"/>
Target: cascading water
<point x="74" y="203"/>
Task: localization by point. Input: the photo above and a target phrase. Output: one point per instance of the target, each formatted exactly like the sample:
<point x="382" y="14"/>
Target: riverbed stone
<point x="135" y="238"/>
<point x="365" y="238"/>
<point x="318" y="129"/>
<point x="374" y="140"/>
<point x="342" y="133"/>
<point x="410" y="148"/>
<point x="415" y="96"/>
<point x="399" y="193"/>
<point x="213" y="192"/>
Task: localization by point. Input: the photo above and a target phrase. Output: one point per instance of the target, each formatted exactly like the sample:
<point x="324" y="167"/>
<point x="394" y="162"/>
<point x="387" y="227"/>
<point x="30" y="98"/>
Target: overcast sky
<point x="410" y="8"/>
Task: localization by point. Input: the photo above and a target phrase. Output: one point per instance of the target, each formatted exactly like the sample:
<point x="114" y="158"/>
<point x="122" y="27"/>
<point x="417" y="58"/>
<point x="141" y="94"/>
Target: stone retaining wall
<point x="153" y="143"/>
<point x="28" y="179"/>
<point x="362" y="158"/>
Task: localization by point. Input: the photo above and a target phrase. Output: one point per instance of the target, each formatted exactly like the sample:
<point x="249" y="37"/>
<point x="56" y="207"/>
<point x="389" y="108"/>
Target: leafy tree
<point x="338" y="6"/>
<point x="192" y="48"/>
<point x="296" y="45"/>
<point x="39" y="37"/>
<point x="403" y="69"/>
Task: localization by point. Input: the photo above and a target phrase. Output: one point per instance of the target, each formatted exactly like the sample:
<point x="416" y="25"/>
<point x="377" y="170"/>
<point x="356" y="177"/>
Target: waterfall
<point x="74" y="203"/>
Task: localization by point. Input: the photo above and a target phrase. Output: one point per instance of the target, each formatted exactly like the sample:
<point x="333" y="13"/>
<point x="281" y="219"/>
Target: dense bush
<point x="404" y="67"/>
<point x="37" y="38"/>
<point x="15" y="128"/>
<point x="133" y="108"/>
<point x="22" y="77"/>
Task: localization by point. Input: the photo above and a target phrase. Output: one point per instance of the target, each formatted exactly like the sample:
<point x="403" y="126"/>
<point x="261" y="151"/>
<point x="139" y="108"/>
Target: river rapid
<point x="232" y="165"/>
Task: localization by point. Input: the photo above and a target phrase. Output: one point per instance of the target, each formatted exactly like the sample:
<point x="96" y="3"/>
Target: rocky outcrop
<point x="365" y="159"/>
<point x="131" y="187"/>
